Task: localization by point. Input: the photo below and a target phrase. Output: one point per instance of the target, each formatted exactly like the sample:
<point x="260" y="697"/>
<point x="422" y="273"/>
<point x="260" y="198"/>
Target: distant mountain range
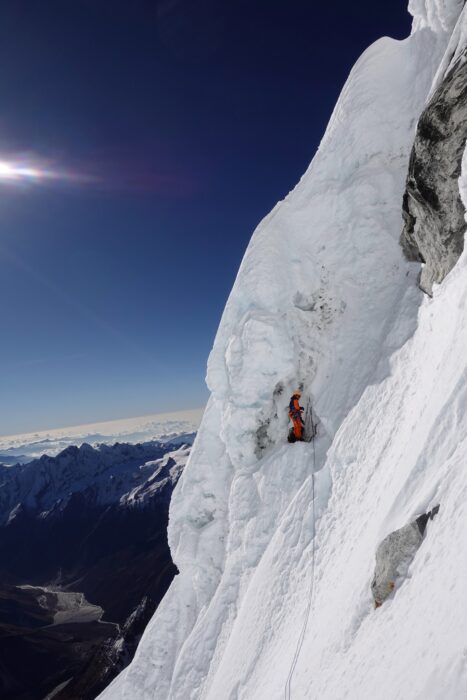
<point x="164" y="427"/>
<point x="84" y="562"/>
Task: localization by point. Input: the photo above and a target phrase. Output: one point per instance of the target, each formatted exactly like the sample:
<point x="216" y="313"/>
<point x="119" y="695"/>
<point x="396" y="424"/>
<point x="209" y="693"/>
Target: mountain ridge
<point x="68" y="524"/>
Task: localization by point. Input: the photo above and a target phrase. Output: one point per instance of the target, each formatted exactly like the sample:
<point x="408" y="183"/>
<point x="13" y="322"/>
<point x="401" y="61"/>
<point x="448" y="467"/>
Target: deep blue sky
<point x="196" y="117"/>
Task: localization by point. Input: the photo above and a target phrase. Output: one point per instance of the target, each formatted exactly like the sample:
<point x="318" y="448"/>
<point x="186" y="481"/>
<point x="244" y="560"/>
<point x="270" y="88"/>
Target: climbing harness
<point x="288" y="685"/>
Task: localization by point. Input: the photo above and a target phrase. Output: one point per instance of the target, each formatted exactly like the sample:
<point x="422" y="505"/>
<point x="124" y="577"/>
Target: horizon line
<point x="101" y="422"/>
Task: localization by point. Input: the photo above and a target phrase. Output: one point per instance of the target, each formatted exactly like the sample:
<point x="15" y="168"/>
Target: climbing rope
<point x="288" y="685"/>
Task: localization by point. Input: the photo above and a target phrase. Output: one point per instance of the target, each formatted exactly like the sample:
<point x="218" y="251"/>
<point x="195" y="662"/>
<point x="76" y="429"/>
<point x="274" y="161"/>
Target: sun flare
<point x="18" y="171"/>
<point x="34" y="170"/>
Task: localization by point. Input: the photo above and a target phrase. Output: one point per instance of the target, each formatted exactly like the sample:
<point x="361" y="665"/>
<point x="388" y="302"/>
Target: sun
<point x="33" y="169"/>
<point x="7" y="171"/>
<point x="19" y="171"/>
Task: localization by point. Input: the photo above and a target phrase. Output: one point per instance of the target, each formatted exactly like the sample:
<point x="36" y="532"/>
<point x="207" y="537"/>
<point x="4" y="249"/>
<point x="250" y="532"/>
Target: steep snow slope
<point x="324" y="298"/>
<point x="401" y="450"/>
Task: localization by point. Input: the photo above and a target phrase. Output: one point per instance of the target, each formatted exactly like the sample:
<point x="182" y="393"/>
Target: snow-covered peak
<point x="107" y="474"/>
<point x="162" y="427"/>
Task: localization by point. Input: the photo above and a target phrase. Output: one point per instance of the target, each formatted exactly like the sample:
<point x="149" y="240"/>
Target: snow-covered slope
<point x="325" y="299"/>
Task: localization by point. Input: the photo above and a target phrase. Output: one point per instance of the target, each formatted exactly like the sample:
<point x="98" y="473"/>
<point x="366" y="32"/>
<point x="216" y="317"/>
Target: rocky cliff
<point x="434" y="227"/>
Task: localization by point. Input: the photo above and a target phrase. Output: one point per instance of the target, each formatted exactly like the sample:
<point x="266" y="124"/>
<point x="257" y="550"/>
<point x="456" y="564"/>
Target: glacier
<point x="276" y="543"/>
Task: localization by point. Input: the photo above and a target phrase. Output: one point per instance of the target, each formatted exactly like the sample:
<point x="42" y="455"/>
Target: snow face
<point x="324" y="298"/>
<point x="435" y="15"/>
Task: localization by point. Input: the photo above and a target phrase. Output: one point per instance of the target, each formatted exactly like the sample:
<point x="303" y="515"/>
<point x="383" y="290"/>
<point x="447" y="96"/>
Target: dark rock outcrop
<point x="111" y="657"/>
<point x="432" y="208"/>
<point x="395" y="554"/>
<point x="37" y="653"/>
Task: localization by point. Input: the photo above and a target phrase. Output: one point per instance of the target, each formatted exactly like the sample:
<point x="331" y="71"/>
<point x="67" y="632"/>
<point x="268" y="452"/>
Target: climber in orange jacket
<point x="295" y="414"/>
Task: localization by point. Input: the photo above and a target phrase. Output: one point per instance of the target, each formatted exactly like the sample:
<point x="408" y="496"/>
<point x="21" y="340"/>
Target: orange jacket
<point x="295" y="408"/>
